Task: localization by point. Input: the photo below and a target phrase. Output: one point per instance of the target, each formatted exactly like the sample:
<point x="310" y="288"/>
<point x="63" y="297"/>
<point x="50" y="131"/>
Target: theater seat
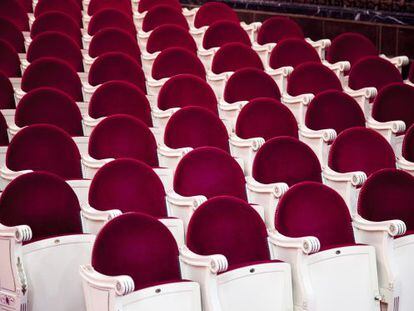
<point x="69" y="7"/>
<point x="6" y="93"/>
<point x="4" y="139"/>
<point x="405" y="160"/>
<point x="15" y="13"/>
<point x="9" y="60"/>
<point x="146" y="5"/>
<point x="10" y="33"/>
<point x="121" y="5"/>
<point x="234" y="275"/>
<point x="410" y="79"/>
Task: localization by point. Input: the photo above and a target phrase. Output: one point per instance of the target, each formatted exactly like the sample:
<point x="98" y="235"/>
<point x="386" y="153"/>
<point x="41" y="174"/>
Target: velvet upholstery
<point x="408" y="144"/>
<point x="49" y="106"/>
<point x="211" y="172"/>
<point x="411" y="73"/>
<point x="249" y="83"/>
<point x="109" y="18"/>
<point x="334" y="110"/>
<point x="313" y="209"/>
<point x="166" y="36"/>
<point x="139" y="246"/>
<point x="70" y="7"/>
<point x="9" y="60"/>
<point x="161" y="15"/>
<point x="121" y="5"/>
<point x="277" y="28"/>
<point x="286" y="159"/>
<point x="130" y="186"/>
<point x="120" y="97"/>
<point x="360" y="149"/>
<point x="55" y="73"/>
<point x="312" y="78"/>
<point x="146" y="5"/>
<point x="4" y="138"/>
<point x="123" y="136"/>
<point x="27" y="5"/>
<point x="6" y="93"/>
<point x="44" y="202"/>
<point x="373" y="71"/>
<point x="15" y="13"/>
<point x="177" y="60"/>
<point x="222" y="32"/>
<point x="12" y="35"/>
<point x="44" y="147"/>
<point x="231" y="227"/>
<point x="187" y="90"/>
<point x="196" y="127"/>
<point x="211" y="12"/>
<point x="235" y="56"/>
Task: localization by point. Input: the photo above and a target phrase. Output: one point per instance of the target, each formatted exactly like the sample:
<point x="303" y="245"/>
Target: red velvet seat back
<point x="411" y="73"/>
<point x="187" y="90"/>
<point x="196" y="127"/>
<point x="146" y="5"/>
<point x="54" y="73"/>
<point x="211" y="12"/>
<point x="12" y="35"/>
<point x="120" y="97"/>
<point x="266" y="118"/>
<point x="222" y="32"/>
<point x="373" y="71"/>
<point x="70" y="7"/>
<point x="129" y="186"/>
<point x="275" y="29"/>
<point x="408" y="144"/>
<point x="121" y="5"/>
<point x="162" y="15"/>
<point x="6" y="93"/>
<point x="210" y="172"/>
<point x="44" y="202"/>
<point x="44" y="147"/>
<point x="231" y="227"/>
<point x="9" y="60"/>
<point x="177" y="60"/>
<point x="123" y="136"/>
<point x="360" y="149"/>
<point x="313" y="209"/>
<point x="49" y="106"/>
<point x="334" y="110"/>
<point x="166" y="36"/>
<point x="4" y="138"/>
<point x="27" y="5"/>
<point x="109" y="18"/>
<point x="250" y="83"/>
<point x="15" y="13"/>
<point x="140" y="247"/>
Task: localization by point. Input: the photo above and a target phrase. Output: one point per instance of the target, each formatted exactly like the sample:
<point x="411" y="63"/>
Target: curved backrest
<point x="121" y="5"/>
<point x="44" y="202"/>
<point x="70" y="7"/>
<point x="266" y="118"/>
<point x="54" y="73"/>
<point x="212" y="12"/>
<point x="129" y="186"/>
<point x="49" y="148"/>
<point x="292" y="52"/>
<point x="146" y="5"/>
<point x="211" y="172"/>
<point x="334" y="110"/>
<point x="4" y="137"/>
<point x="322" y="214"/>
<point x="15" y="13"/>
<point x="250" y="83"/>
<point x="166" y="36"/>
<point x="9" y="60"/>
<point x="141" y="247"/>
<point x="233" y="220"/>
<point x="275" y="29"/>
<point x="286" y="159"/>
<point x="123" y="136"/>
<point x="161" y="15"/>
<point x="222" y="32"/>
<point x="196" y="127"/>
<point x="373" y="71"/>
<point x="27" y="5"/>
<point x="187" y="90"/>
<point x="120" y="97"/>
<point x="109" y="18"/>
<point x="408" y="144"/>
<point x="12" y="35"/>
<point x="177" y="60"/>
<point x="6" y="93"/>
<point x="58" y="45"/>
<point x="235" y="56"/>
<point x="49" y="106"/>
<point x="360" y="149"/>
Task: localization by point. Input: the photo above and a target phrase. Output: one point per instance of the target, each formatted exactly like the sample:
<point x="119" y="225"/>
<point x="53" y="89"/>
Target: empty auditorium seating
<point x="405" y="160"/>
<point x="146" y="5"/>
<point x="121" y="5"/>
<point x="9" y="60"/>
<point x="15" y="13"/>
<point x="6" y="93"/>
<point x="69" y="7"/>
<point x="12" y="35"/>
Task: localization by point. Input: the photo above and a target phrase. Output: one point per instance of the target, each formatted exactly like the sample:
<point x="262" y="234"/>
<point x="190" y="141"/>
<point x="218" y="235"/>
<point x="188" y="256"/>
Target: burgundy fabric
<point x="6" y="93"/>
<point x="44" y="202"/>
<point x="360" y="149"/>
<point x="250" y="83"/>
<point x="222" y="32"/>
<point x="196" y="127"/>
<point x="44" y="147"/>
<point x="146" y="5"/>
<point x="408" y="144"/>
<point x="286" y="159"/>
<point x="373" y="71"/>
<point x="231" y="227"/>
<point x="275" y="29"/>
<point x="27" y="5"/>
<point x="108" y="18"/>
<point x="162" y="15"/>
<point x="15" y="13"/>
<point x="235" y="56"/>
<point x="121" y="5"/>
<point x="266" y="118"/>
<point x="292" y="52"/>
<point x="411" y="73"/>
<point x="212" y="12"/>
<point x="58" y="45"/>
<point x="313" y="209"/>
<point x="70" y="7"/>
<point x="12" y="35"/>
<point x="129" y="186"/>
<point x="120" y="97"/>
<point x="123" y="136"/>
<point x="334" y="110"/>
<point x="49" y="106"/>
<point x="211" y="172"/>
<point x="166" y="36"/>
<point x="312" y="78"/>
<point x="9" y="60"/>
<point x="117" y="66"/>
<point x="4" y="138"/>
<point x="54" y="73"/>
<point x="187" y="90"/>
<point x="177" y="60"/>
